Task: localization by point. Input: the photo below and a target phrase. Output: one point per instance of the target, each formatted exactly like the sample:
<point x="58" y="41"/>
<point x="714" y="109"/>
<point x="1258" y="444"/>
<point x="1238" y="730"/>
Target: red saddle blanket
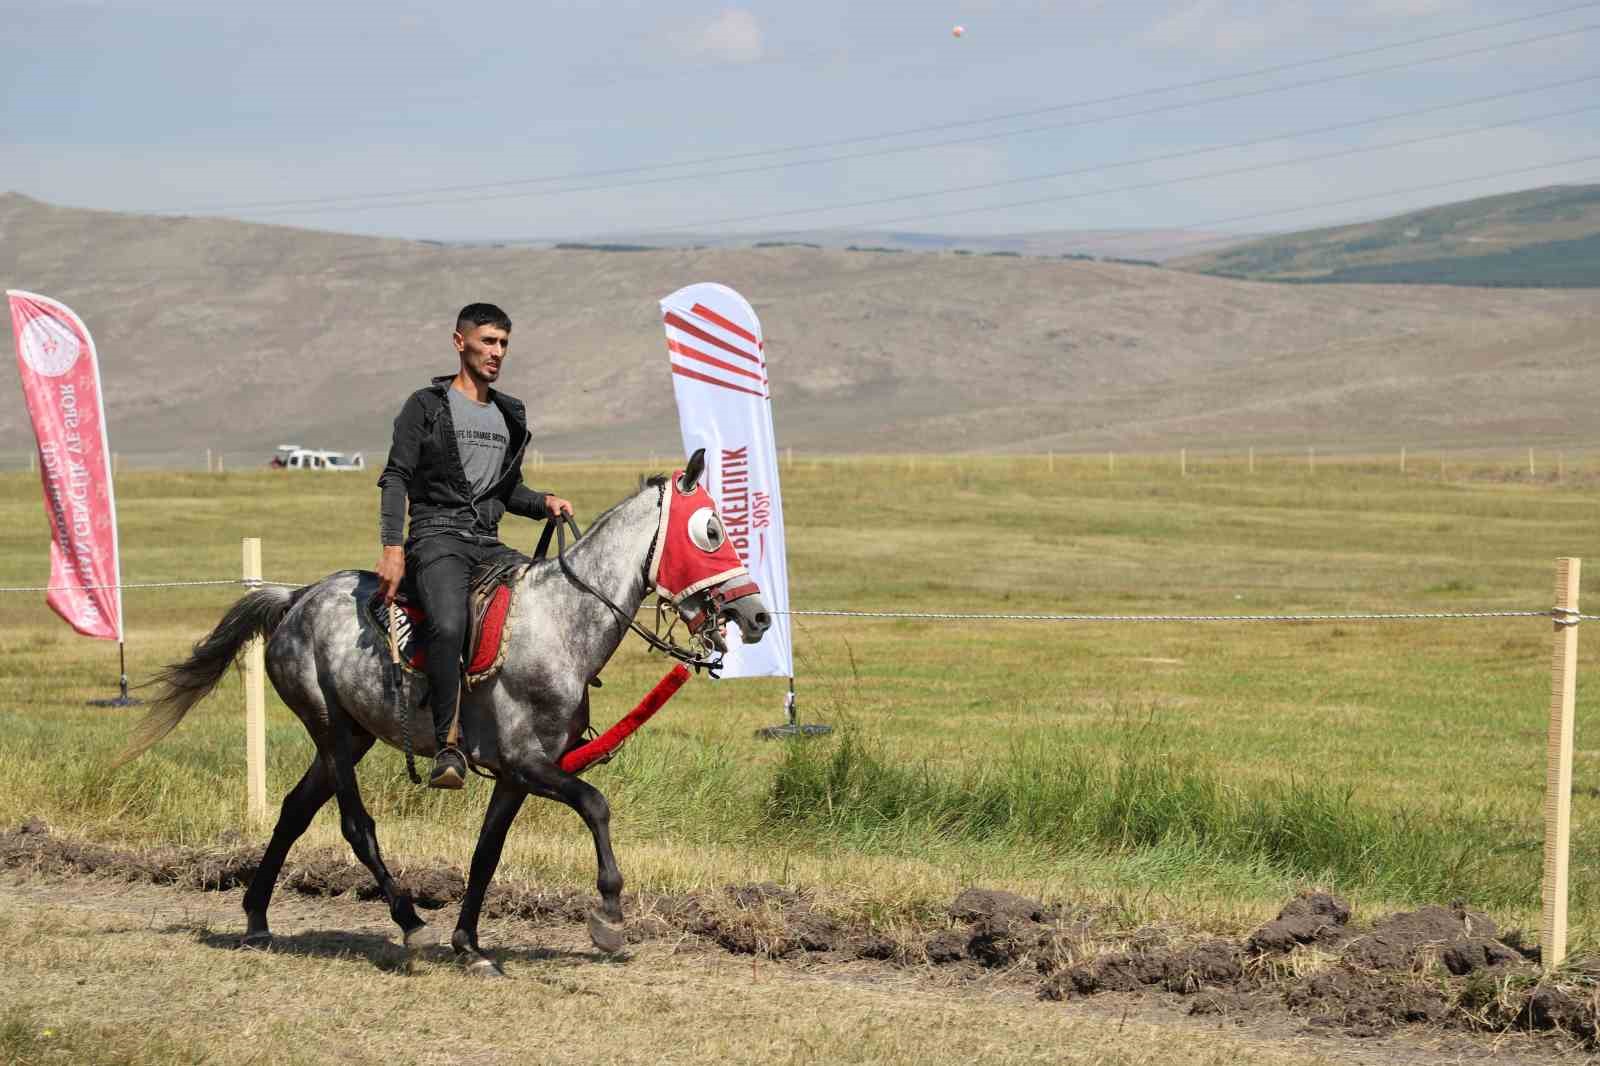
<point x="487" y="651"/>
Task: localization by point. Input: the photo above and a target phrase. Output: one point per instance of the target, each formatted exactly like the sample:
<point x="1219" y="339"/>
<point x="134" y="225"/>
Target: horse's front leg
<point x="546" y="779"/>
<point x="503" y="807"/>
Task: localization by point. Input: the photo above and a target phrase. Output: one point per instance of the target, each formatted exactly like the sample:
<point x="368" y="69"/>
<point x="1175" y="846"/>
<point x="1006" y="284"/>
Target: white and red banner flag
<point x="61" y="381"/>
<point x="719" y="373"/>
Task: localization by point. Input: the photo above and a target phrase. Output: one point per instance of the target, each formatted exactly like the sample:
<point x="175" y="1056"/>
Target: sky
<point x="511" y="120"/>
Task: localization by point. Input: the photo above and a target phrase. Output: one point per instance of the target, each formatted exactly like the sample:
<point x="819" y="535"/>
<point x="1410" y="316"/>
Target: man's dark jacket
<point x="425" y="467"/>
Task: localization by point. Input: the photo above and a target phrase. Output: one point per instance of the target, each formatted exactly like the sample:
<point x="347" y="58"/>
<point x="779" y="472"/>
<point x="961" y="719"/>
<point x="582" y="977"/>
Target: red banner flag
<point x="61" y="381"/>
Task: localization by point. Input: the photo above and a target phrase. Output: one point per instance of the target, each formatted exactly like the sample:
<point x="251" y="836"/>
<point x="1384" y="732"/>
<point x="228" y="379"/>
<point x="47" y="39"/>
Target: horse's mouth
<point x="748" y="613"/>
<point x="715" y="635"/>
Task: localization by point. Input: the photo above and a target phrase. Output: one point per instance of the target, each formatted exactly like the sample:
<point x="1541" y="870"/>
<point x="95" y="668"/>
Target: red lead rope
<point x="579" y="759"/>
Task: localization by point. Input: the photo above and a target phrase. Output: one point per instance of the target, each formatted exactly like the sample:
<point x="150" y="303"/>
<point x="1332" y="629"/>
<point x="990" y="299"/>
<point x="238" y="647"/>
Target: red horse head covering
<point x="693" y="552"/>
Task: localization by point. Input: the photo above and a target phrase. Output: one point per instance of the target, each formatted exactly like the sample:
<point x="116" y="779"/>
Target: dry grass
<point x="142" y="978"/>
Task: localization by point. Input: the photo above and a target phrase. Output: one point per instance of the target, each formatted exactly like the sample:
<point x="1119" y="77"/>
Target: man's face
<point x="483" y="349"/>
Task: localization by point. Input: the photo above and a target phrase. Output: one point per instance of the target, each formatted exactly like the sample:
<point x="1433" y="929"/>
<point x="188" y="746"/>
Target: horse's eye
<point x="705" y="529"/>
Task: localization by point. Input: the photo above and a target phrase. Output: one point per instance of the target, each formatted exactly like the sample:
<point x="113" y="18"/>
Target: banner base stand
<point x="122" y="699"/>
<point x="792" y="728"/>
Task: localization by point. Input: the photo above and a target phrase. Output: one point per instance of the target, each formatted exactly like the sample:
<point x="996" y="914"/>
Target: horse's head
<point x="695" y="566"/>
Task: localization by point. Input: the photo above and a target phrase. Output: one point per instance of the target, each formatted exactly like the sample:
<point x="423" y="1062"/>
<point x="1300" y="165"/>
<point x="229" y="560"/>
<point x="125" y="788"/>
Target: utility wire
<point x="357" y="198"/>
<point x="1204" y="236"/>
<point x="1085" y="194"/>
<point x="1232" y="219"/>
<point x="893" y="151"/>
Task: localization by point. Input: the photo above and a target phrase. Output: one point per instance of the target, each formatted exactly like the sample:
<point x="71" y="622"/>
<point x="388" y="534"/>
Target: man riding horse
<point x="457" y="459"/>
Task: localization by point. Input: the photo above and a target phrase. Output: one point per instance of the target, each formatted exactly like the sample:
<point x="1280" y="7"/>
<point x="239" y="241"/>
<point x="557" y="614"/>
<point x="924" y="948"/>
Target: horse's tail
<point x="185" y="684"/>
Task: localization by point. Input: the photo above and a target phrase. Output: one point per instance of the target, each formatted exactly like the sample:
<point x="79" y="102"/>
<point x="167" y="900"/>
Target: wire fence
<point x="1557" y="614"/>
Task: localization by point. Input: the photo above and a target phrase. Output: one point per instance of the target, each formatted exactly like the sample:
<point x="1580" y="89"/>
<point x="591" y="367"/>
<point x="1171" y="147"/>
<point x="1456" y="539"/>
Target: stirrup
<point x="449" y="769"/>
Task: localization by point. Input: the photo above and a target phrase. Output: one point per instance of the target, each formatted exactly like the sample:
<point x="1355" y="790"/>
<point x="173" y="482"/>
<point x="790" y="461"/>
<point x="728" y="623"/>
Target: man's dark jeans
<point x="441" y="569"/>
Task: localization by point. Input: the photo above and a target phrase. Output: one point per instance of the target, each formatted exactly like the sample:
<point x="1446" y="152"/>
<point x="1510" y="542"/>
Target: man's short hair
<point x="475" y="315"/>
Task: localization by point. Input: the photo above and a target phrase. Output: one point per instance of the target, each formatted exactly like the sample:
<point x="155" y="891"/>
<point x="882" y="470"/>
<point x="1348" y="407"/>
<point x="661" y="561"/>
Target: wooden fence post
<point x="1558" y="765"/>
<point x="1050" y="463"/>
<point x="1530" y="463"/>
<point x="1561" y="466"/>
<point x="255" y="703"/>
<point x="1402" y="459"/>
<point x="208" y="460"/>
<point x="1311" y="459"/>
<point x="1183" y="462"/>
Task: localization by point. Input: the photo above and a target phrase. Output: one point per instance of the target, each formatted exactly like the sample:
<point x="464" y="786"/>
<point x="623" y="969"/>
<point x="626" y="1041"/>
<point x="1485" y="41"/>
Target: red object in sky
<point x="61" y="382"/>
<point x="579" y="759"/>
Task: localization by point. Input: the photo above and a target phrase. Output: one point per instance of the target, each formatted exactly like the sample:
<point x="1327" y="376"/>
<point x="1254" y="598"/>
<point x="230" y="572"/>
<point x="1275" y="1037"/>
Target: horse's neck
<point x="610" y="558"/>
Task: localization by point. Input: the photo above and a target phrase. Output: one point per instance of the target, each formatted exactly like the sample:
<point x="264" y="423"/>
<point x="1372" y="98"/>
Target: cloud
<point x="1207" y="25"/>
<point x="732" y="35"/>
<point x="1384" y="10"/>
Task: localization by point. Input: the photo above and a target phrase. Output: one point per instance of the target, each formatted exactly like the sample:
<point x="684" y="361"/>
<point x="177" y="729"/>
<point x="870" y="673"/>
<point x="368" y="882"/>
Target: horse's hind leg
<point x="299" y="807"/>
<point x="362" y="832"/>
<point x="503" y="807"/>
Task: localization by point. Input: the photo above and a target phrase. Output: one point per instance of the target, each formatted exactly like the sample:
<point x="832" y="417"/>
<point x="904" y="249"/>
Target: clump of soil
<point x="1408" y="941"/>
<point x="1439" y="966"/>
<point x="1186" y="970"/>
<point x="997" y="930"/>
<point x="1313" y="918"/>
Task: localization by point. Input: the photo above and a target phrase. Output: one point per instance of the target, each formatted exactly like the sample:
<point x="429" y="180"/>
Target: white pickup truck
<point x="294" y="457"/>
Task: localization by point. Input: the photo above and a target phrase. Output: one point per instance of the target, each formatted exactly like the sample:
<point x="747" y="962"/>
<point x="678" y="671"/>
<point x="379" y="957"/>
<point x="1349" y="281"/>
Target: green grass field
<point x="1192" y="772"/>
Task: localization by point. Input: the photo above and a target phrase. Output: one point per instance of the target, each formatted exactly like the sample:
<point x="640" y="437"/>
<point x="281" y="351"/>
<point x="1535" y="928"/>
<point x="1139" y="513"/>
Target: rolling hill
<point x="234" y="336"/>
<point x="1545" y="238"/>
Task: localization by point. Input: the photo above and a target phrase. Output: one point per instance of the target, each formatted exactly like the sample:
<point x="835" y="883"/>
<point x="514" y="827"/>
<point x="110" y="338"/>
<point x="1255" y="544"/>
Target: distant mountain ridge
<point x="239" y="337"/>
<point x="1153" y="245"/>
<point x="1541" y="238"/>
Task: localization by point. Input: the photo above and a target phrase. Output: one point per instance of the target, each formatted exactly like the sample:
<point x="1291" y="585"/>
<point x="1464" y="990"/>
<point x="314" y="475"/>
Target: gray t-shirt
<point x="481" y="438"/>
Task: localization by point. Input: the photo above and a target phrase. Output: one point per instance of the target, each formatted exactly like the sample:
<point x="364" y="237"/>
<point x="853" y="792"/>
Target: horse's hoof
<point x="483" y="966"/>
<point x="606" y="934"/>
<point x="423" y="936"/>
<point x="259" y="940"/>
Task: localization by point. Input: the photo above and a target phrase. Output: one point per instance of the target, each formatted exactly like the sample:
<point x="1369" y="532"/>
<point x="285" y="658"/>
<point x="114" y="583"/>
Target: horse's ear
<point x="692" y="472"/>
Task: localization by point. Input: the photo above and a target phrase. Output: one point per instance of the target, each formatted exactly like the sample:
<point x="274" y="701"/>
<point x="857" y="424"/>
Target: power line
<point x="1209" y="238"/>
<point x="1085" y="194"/>
<point x="1076" y="123"/>
<point x="1254" y="215"/>
<point x="356" y="199"/>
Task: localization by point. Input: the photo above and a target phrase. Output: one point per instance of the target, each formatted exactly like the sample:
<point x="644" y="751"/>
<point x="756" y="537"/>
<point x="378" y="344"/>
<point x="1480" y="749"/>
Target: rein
<point x="557" y="524"/>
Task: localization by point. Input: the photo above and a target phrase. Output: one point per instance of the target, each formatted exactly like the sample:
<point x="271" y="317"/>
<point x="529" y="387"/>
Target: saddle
<point x="492" y="600"/>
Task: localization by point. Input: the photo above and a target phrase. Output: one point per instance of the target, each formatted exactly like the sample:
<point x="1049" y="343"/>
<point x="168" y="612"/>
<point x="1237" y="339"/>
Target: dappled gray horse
<point x="330" y="667"/>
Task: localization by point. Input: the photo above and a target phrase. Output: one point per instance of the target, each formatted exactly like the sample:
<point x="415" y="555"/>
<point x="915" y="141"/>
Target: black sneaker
<point x="449" y="770"/>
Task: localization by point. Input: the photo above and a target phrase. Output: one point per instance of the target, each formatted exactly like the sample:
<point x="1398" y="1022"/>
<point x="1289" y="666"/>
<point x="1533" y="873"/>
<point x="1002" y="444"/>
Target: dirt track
<point x="1432" y="985"/>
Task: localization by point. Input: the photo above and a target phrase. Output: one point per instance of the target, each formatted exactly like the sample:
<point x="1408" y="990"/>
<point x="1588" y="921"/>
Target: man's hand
<point x="391" y="570"/>
<point x="557" y="507"/>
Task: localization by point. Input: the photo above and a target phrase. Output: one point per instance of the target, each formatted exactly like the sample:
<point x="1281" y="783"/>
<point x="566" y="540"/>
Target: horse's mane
<point x="646" y="481"/>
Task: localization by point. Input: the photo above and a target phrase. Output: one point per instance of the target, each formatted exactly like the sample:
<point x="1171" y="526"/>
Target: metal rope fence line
<point x="1364" y="616"/>
<point x="136" y="585"/>
<point x="951" y="616"/>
